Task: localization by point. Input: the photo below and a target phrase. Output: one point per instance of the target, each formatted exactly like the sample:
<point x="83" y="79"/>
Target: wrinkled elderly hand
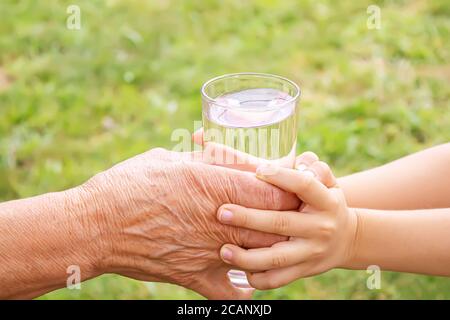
<point x="158" y="215"/>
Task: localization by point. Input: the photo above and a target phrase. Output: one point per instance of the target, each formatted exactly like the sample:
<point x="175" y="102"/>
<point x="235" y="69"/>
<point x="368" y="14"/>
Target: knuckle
<point x="327" y="228"/>
<point x="278" y="261"/>
<point x="318" y="251"/>
<point x="280" y="223"/>
<point x="243" y="219"/>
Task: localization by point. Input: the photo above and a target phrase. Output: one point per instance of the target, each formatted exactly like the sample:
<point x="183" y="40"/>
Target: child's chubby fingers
<point x="285" y="223"/>
<point x="280" y="255"/>
<point x="304" y="184"/>
<point x="305" y="159"/>
<point x="310" y="161"/>
<point x="323" y="173"/>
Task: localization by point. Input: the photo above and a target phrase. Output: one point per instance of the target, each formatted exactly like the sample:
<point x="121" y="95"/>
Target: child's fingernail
<point x="226" y="215"/>
<point x="266" y="170"/>
<point x="301" y="167"/>
<point x="227" y="254"/>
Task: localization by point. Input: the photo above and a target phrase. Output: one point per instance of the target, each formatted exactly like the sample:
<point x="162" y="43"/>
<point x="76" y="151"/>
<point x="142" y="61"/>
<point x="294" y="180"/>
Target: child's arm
<point x="417" y="181"/>
<point x="327" y="234"/>
<point x="416" y="241"/>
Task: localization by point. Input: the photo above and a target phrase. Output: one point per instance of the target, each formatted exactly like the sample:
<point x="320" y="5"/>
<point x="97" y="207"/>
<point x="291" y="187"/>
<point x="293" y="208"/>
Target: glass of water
<point x="254" y="115"/>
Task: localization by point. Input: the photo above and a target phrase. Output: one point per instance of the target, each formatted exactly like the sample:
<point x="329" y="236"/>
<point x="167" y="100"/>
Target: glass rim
<point x="254" y="74"/>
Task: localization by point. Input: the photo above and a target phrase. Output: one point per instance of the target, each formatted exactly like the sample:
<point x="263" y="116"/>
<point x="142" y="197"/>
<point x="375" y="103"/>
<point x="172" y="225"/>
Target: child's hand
<point x="321" y="234"/>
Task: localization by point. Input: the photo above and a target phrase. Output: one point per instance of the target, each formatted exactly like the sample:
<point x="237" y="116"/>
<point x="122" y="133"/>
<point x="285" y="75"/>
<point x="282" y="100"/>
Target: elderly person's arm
<point x="41" y="237"/>
<point x="151" y="217"/>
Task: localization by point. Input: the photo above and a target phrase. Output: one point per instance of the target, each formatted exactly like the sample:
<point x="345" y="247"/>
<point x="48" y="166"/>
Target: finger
<point x="306" y="159"/>
<point x="197" y="136"/>
<point x="285" y="223"/>
<point x="281" y="255"/>
<point x="277" y="278"/>
<point x="324" y="173"/>
<point x="303" y="183"/>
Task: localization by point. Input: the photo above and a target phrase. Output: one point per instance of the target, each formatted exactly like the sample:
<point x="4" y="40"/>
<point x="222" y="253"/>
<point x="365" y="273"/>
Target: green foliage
<point x="76" y="102"/>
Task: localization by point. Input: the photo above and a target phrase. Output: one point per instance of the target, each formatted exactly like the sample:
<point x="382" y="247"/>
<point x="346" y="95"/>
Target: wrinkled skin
<point x="158" y="212"/>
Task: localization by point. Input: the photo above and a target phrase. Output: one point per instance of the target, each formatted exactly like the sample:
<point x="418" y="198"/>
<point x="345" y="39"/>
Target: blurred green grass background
<point x="74" y="102"/>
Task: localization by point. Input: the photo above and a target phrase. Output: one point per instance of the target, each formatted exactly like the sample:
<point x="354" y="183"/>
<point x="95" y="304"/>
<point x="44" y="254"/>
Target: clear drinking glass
<point x="253" y="117"/>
